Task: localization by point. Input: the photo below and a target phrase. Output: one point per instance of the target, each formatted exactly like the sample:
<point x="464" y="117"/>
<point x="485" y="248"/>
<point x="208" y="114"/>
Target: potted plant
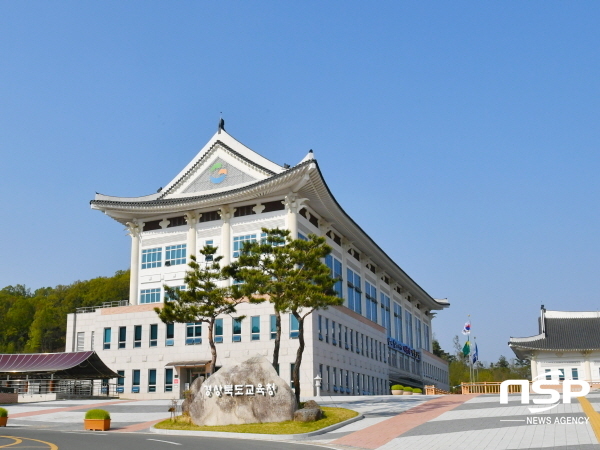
<point x="97" y="420"/>
<point x="397" y="389"/>
<point x="408" y="390"/>
<point x="417" y="391"/>
<point x="3" y="417"/>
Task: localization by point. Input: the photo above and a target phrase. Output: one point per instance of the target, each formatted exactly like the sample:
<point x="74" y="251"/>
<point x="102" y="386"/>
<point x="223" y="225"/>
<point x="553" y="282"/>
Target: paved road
<point x="15" y="438"/>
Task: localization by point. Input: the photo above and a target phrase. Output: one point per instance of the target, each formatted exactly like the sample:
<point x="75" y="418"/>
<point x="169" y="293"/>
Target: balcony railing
<point x="113" y="304"/>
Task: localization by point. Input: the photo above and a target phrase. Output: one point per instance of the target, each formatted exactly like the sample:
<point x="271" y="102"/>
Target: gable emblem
<point x="218" y="173"/>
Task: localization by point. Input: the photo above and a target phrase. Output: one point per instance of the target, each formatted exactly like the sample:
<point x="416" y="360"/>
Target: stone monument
<point x="249" y="392"/>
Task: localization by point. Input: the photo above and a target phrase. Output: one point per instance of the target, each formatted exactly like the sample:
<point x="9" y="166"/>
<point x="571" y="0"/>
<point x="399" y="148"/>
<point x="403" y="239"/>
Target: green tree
<point x="264" y="268"/>
<point x="207" y="296"/>
<point x="291" y="272"/>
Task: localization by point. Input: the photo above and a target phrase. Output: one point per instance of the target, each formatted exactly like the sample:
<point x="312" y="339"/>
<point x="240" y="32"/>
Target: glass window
<point x="409" y="328"/>
<point x="193" y="333"/>
<point x="135" y="381"/>
<point x="333" y="339"/>
<point x="237" y="330"/>
<point x="562" y="375"/>
<point x="340" y="334"/>
<point x="80" y="340"/>
<point x="575" y="374"/>
<point x="371" y="296"/>
<point x="151" y="380"/>
<point x="385" y="313"/>
<point x="209" y="243"/>
<point x="107" y="339"/>
<point x="426" y="338"/>
<point x="418" y="332"/>
<point x="301" y="236"/>
<point x="153" y="335"/>
<point x="137" y="336"/>
<point x="273" y="321"/>
<point x="170" y="335"/>
<point x="151" y="257"/>
<point x="326" y="330"/>
<point x="320" y="327"/>
<point x="397" y="322"/>
<point x="219" y="330"/>
<point x="346" y="338"/>
<point x="255" y="324"/>
<point x="292" y="365"/>
<point x="294" y="327"/>
<point x="175" y="255"/>
<point x="121" y="379"/>
<point x="354" y="291"/>
<point x="122" y="337"/>
<point x="335" y="266"/>
<point x="238" y="242"/>
<point x="150" y="295"/>
<point x="168" y="380"/>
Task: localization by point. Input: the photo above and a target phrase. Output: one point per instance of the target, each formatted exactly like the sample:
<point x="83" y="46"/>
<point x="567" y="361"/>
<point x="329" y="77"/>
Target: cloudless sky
<point x="462" y="136"/>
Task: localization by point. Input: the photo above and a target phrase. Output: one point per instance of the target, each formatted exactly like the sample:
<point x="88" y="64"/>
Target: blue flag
<point x="476" y="354"/>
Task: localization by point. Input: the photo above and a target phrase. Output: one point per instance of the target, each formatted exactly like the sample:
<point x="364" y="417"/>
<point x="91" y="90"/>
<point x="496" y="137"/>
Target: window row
<point x="435" y="373"/>
<point x="133" y="337"/>
<point x="150" y="380"/>
<point x="344" y="337"/>
<point x="173" y="256"/>
<point x="342" y="381"/>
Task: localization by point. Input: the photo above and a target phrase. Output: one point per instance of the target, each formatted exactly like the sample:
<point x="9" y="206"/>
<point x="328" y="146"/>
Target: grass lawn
<point x="331" y="417"/>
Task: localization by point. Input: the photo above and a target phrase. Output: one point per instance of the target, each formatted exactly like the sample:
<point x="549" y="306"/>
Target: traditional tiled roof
<point x="562" y="331"/>
<point x="138" y="202"/>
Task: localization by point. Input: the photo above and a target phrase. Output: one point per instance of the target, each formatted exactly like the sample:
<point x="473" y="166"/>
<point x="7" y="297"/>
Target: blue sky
<point x="463" y="136"/>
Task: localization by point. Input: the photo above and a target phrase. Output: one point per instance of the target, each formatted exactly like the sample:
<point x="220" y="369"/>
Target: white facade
<point x="224" y="196"/>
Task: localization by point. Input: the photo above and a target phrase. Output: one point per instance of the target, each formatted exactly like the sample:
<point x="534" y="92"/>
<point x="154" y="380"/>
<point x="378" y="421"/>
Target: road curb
<point x="262" y="437"/>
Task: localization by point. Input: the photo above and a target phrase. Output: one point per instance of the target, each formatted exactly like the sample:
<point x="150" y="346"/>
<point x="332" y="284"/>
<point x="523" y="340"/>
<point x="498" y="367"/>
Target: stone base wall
<point x="9" y="398"/>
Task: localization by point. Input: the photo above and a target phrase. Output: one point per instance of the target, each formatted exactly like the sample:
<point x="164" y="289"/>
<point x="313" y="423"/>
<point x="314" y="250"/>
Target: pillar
<point x="226" y="213"/>
<point x="134" y="231"/>
<point x="587" y="370"/>
<point x="534" y="368"/>
<point x="293" y="205"/>
<point x="192" y="219"/>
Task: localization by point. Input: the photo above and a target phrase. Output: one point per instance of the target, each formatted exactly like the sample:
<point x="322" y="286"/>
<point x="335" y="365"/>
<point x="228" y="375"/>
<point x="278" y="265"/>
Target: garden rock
<point x="308" y="414"/>
<point x="311" y="404"/>
<point x="249" y="392"/>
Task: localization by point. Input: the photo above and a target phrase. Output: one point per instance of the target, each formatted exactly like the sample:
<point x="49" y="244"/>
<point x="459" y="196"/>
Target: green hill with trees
<point x="37" y="322"/>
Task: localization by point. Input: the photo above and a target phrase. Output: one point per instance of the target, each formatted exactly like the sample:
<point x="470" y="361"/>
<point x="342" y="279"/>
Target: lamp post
<point x="318" y="384"/>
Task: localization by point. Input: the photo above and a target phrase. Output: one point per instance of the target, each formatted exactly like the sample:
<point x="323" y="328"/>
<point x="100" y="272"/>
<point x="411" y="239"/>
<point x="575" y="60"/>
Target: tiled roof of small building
<point x="563" y="330"/>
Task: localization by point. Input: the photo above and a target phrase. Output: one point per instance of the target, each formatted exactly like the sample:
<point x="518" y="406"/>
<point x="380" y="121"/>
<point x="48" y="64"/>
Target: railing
<point x="113" y="304"/>
<point x="62" y="388"/>
<point x="430" y="389"/>
<point x="493" y="387"/>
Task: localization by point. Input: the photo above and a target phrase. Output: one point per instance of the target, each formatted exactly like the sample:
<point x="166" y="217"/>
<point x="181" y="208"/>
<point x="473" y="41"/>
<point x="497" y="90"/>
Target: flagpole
<point x="470" y="350"/>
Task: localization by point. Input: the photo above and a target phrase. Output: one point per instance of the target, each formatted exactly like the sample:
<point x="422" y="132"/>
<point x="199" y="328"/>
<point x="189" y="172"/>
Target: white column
<point x="226" y="213"/>
<point x="587" y="370"/>
<point x="293" y="205"/>
<point x="534" y="367"/>
<point x="134" y="231"/>
<point x="192" y="219"/>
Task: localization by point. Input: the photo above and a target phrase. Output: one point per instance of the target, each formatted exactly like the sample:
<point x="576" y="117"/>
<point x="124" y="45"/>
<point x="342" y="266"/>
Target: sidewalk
<point x="390" y="422"/>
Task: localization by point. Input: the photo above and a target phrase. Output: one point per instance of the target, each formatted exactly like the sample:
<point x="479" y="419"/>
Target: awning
<point x="187" y="363"/>
<point x="74" y="365"/>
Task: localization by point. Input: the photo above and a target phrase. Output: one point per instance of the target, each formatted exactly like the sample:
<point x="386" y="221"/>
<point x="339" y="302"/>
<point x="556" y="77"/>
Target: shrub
<point x="417" y="391"/>
<point x="407" y="389"/>
<point x="97" y="414"/>
<point x="397" y="387"/>
<point x="3" y="412"/>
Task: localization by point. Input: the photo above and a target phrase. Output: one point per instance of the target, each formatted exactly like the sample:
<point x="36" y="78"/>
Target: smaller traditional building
<point x="568" y="341"/>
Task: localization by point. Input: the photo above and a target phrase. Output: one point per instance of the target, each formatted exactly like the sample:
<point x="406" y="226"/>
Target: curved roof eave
<point x="381" y="253"/>
<point x="201" y="201"/>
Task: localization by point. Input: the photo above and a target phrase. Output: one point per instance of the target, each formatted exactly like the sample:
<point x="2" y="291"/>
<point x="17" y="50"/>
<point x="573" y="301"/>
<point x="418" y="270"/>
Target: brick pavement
<point x="379" y="434"/>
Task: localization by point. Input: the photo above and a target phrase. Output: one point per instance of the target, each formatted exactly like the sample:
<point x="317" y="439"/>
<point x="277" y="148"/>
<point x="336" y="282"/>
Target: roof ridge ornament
<point x="221" y="123"/>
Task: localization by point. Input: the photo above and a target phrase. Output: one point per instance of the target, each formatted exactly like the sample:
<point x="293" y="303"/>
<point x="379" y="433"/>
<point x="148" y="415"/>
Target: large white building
<point x="223" y="197"/>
